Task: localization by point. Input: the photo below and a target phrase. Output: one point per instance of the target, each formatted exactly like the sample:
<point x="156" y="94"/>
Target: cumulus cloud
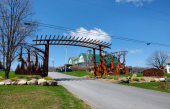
<point x="95" y="33"/>
<point x="135" y="2"/>
<point x="138" y="62"/>
<point x="136" y="51"/>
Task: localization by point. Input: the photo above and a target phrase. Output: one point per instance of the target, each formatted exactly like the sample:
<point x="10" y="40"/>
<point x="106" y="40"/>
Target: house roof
<point x="97" y="58"/>
<point x="73" y="58"/>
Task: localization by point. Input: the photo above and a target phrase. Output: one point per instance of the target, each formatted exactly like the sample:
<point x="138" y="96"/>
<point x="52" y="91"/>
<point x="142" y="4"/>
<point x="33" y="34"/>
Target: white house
<point x="168" y="66"/>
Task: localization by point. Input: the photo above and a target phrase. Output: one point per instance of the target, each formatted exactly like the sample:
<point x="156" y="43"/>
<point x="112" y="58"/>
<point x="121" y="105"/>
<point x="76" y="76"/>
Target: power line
<point x="125" y="11"/>
<point x="101" y="35"/>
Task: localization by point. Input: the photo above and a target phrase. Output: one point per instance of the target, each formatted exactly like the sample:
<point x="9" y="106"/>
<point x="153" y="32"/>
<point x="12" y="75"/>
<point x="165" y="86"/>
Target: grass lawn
<point x="39" y="97"/>
<point x="82" y="73"/>
<point x="35" y="96"/>
<point x="148" y="85"/>
<point x="77" y="73"/>
<point x="12" y="74"/>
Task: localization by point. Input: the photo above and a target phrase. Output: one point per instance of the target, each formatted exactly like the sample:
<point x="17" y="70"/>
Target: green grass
<point x="148" y="85"/>
<point x="39" y="97"/>
<point x="12" y="75"/>
<point x="81" y="73"/>
<point x="77" y="73"/>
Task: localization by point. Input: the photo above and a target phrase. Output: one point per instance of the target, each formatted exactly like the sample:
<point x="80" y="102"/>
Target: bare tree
<point x="157" y="58"/>
<point x="13" y="32"/>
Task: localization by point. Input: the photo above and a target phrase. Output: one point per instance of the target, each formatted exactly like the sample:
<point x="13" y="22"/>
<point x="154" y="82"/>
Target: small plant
<point x="1" y="78"/>
<point x="115" y="78"/>
<point x="104" y="77"/>
<point x="135" y="79"/>
<point x="29" y="79"/>
<point x="47" y="78"/>
<point x="109" y="77"/>
<point x="14" y="79"/>
<point x="134" y="75"/>
<point x="129" y="78"/>
<point x="142" y="78"/>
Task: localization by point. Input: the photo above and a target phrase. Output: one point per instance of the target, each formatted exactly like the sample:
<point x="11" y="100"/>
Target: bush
<point x="14" y="79"/>
<point x="134" y="75"/>
<point x="104" y="77"/>
<point x="1" y="78"/>
<point x="29" y="79"/>
<point x="129" y="78"/>
<point x="115" y="78"/>
<point x="142" y="78"/>
<point x="164" y="86"/>
<point x="135" y="79"/>
<point x="109" y="77"/>
<point x="47" y="78"/>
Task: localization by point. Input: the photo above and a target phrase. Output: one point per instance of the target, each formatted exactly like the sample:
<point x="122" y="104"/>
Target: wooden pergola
<point x="73" y="41"/>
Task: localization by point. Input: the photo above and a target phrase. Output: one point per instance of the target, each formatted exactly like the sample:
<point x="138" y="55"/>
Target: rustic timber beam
<point x="68" y="40"/>
<point x="53" y="39"/>
<point x="45" y="39"/>
<point x="79" y="40"/>
<point x="40" y="39"/>
<point x="56" y="39"/>
<point x="36" y="39"/>
<point x="60" y="40"/>
<point x="64" y="39"/>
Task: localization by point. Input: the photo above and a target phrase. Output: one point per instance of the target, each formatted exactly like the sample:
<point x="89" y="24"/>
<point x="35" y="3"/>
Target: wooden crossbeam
<point x="71" y="40"/>
<point x="76" y="40"/>
<point x="56" y="39"/>
<point x="89" y="44"/>
<point x="45" y="39"/>
<point x="60" y="40"/>
<point x="64" y="40"/>
<point x="53" y="39"/>
<point x="79" y="40"/>
<point x="36" y="39"/>
<point x="86" y="42"/>
<point x="40" y="39"/>
<point x="68" y="40"/>
<point x="50" y="37"/>
<point x="82" y="42"/>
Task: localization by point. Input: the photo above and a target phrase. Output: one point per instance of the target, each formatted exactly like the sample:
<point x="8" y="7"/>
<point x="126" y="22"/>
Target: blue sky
<point x="146" y="20"/>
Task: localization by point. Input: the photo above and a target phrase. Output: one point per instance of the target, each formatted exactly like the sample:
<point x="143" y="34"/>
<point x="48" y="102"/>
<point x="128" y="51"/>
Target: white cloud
<point x="138" y="62"/>
<point x="136" y="51"/>
<point x="51" y="58"/>
<point x="132" y="51"/>
<point x="135" y="2"/>
<point x="94" y="34"/>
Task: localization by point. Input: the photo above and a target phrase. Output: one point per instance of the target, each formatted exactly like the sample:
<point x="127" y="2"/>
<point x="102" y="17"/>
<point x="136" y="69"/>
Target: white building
<point x="168" y="66"/>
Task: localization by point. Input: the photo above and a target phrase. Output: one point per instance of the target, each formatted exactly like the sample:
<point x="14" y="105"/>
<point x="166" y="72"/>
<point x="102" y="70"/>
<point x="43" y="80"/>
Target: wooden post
<point x="94" y="62"/>
<point x="46" y="57"/>
<point x="101" y="61"/>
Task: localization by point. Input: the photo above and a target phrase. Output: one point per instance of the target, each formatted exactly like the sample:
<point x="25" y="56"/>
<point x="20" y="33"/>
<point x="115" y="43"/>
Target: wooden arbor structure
<point x="111" y="69"/>
<point x="73" y="41"/>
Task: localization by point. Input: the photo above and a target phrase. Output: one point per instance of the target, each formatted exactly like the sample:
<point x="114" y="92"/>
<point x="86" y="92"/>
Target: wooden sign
<point x="153" y="72"/>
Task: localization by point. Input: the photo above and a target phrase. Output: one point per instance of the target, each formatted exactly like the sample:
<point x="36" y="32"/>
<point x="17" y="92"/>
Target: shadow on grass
<point x="72" y="79"/>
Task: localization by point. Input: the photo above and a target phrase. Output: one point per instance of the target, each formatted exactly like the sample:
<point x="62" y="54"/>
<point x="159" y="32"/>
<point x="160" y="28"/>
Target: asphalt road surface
<point x="104" y="95"/>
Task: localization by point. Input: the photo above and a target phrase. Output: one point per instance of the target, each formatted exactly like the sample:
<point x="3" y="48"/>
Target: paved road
<point x="103" y="95"/>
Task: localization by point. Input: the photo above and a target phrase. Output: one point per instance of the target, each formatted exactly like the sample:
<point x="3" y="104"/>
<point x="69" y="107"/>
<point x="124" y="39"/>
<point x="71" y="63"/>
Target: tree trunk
<point x="6" y="74"/>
